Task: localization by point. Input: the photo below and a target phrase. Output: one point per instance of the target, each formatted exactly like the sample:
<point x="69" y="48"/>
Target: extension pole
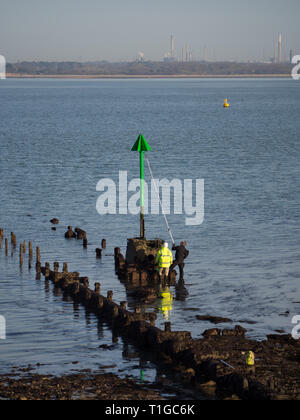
<point x="160" y="202"/>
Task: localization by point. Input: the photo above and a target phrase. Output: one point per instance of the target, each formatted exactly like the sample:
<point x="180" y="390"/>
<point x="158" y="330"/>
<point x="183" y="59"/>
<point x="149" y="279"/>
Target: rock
<point x="213" y="319"/>
<point x="245" y="321"/>
<point x="99" y="253"/>
<point x="284" y="338"/>
<point x="80" y="234"/>
<point x="234" y="397"/>
<point x="70" y="234"/>
<point x="237" y="332"/>
<point x="287" y="313"/>
<point x="209" y="384"/>
<point x="212" y="333"/>
<point x="106" y="347"/>
<point x="54" y="221"/>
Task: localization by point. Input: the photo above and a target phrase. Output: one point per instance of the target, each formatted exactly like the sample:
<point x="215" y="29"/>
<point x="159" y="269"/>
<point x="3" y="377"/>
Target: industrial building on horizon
<point x="280" y="55"/>
<point x="277" y="58"/>
<point x="170" y="57"/>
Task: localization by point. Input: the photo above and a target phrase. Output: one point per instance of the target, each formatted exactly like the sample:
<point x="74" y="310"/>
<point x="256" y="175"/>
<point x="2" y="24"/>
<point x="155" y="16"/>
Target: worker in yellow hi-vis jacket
<point x="164" y="260"/>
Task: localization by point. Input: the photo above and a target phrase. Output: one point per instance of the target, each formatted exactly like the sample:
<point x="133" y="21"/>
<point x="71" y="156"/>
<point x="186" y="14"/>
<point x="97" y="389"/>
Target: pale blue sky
<point x="117" y="29"/>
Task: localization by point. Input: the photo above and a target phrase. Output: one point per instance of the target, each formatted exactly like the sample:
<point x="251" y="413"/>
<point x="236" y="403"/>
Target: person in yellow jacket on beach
<point x="164" y="260"/>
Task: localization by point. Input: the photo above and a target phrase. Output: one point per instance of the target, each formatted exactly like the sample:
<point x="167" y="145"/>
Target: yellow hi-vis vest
<point x="164" y="258"/>
<point x="250" y="358"/>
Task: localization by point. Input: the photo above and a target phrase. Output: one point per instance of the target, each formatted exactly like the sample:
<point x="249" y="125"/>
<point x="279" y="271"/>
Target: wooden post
<point x="38" y="254"/>
<point x="13" y="240"/>
<point x="38" y="267"/>
<point x="30" y="250"/>
<point x="167" y="326"/>
<point x="6" y="246"/>
<point x="47" y="270"/>
<point x="21" y="255"/>
<point x="152" y="318"/>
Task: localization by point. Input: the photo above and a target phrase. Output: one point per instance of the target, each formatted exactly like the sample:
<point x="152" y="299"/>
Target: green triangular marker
<point x="141" y="145"/>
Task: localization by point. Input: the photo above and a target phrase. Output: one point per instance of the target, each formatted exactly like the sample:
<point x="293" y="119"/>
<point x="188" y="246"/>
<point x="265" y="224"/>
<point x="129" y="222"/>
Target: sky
<point x="116" y="30"/>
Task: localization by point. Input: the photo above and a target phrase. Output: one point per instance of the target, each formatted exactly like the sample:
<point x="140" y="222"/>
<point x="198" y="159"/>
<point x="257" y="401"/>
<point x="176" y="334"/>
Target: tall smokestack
<point x="275" y="49"/>
<point x="172" y="45"/>
<point x="280" y="49"/>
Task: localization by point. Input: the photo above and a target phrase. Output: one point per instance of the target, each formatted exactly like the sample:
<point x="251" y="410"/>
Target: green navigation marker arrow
<point x="142" y="146"/>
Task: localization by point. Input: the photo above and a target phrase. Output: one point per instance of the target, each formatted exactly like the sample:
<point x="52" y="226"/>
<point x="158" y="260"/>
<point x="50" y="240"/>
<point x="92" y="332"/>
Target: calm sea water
<point x="58" y="138"/>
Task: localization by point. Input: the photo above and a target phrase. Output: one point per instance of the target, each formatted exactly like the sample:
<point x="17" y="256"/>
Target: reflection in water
<point x="57" y="292"/>
<point x="76" y="309"/>
<point x="115" y="338"/>
<point x="47" y="289"/>
<point x="164" y="301"/>
<point x="181" y="291"/>
<point x="100" y="330"/>
<point x="87" y="317"/>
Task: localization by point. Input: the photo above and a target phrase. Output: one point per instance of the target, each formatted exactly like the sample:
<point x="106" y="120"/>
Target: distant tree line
<point x="147" y="68"/>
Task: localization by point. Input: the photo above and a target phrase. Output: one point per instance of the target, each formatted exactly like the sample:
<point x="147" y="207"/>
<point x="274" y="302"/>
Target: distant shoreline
<point x="145" y="76"/>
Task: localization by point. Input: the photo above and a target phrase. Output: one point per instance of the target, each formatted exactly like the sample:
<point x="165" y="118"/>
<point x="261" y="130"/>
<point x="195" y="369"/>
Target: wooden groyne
<point x="214" y="364"/>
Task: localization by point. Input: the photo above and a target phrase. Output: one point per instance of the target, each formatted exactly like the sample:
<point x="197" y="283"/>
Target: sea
<point x="60" y="137"/>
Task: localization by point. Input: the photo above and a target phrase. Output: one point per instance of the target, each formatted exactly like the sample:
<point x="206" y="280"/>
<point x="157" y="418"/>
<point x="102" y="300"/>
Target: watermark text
<point x="296" y="69"/>
<point x="187" y="197"/>
<point x="296" y="329"/>
<point x="2" y="328"/>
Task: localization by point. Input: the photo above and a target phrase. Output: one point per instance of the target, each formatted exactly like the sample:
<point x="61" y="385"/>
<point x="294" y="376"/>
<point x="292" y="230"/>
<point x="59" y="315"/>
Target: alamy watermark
<point x="188" y="197"/>
<point x="2" y="328"/>
<point x="2" y="67"/>
<point x="296" y="69"/>
<point x="296" y="329"/>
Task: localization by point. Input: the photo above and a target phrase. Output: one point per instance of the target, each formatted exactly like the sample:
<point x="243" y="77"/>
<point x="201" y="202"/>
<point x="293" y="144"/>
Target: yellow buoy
<point x="226" y="104"/>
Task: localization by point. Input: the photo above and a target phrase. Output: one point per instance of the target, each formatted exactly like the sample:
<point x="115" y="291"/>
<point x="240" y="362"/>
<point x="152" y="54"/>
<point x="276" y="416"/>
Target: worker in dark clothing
<point x="181" y="254"/>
